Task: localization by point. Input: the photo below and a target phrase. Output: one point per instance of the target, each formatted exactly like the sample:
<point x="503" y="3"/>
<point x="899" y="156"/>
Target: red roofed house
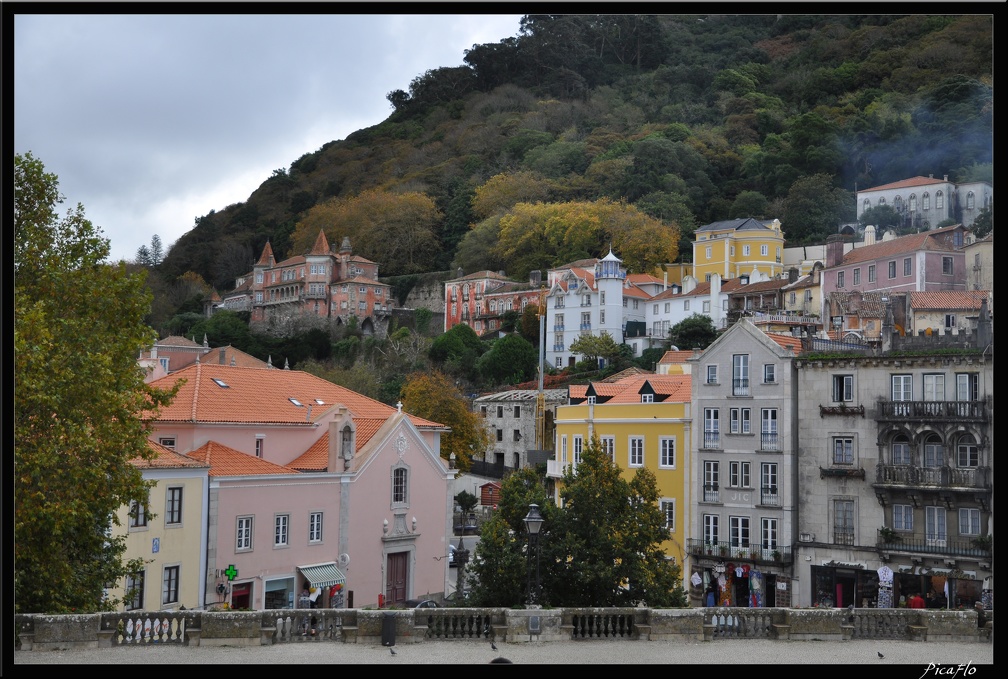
<point x="322" y="286"/>
<point x="945" y="311"/>
<point x="481" y="299"/>
<point x="313" y="483"/>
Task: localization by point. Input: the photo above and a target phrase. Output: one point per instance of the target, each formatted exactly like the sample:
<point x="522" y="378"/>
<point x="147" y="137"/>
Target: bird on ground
<point x="493" y="645"/>
<point x="880" y="654"/>
<point x="392" y="650"/>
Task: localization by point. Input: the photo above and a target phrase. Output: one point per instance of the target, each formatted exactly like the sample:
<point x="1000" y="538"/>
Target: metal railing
<point x="928" y="411"/>
<point x="937" y="477"/>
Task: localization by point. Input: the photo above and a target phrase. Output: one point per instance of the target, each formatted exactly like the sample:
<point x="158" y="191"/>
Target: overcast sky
<point x="151" y="121"/>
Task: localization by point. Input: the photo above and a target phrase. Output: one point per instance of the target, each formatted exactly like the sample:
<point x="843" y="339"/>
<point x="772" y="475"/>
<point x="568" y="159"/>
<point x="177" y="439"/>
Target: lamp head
<point x="533" y="520"/>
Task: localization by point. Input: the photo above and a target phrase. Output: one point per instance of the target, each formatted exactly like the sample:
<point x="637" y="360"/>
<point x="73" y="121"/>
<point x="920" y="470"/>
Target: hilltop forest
<point x="585" y="130"/>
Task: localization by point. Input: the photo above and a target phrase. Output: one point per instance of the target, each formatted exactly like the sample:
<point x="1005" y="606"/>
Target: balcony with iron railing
<point x="769" y="497"/>
<point x="964" y="412"/>
<point x="585" y="326"/>
<point x="890" y="542"/>
<point x="843" y="536"/>
<point x="558" y="347"/>
<point x="777" y="554"/>
<point x="967" y="479"/>
<point x="770" y="441"/>
<point x="740" y="386"/>
<point x="711" y="493"/>
<point x="558" y="328"/>
<point x="711" y="440"/>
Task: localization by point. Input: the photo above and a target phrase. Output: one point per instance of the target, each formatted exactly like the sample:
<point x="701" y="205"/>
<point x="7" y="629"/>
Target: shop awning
<point x="323" y="574"/>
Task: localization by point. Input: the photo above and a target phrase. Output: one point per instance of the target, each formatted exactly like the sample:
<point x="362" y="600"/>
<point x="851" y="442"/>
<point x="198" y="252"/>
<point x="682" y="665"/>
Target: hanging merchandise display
<point x="725" y="581"/>
<point x="756" y="589"/>
<point x="885" y="591"/>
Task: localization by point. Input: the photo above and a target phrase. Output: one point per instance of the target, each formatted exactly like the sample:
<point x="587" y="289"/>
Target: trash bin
<point x="388" y="629"/>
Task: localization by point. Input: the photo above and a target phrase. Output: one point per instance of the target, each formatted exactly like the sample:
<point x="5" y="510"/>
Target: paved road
<point x="916" y="655"/>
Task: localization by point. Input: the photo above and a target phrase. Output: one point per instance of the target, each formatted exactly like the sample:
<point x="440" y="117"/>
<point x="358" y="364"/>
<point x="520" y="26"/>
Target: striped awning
<point x="323" y="574"/>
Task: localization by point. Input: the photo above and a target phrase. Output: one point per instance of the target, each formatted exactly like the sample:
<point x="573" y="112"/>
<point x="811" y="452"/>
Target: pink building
<point x="312" y="483"/>
<point x="328" y="286"/>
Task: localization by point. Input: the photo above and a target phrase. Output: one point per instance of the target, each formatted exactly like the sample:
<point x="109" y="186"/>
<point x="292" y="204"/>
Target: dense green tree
<point x="593" y="347"/>
<point x="608" y="539"/>
<point x="499" y="576"/>
<point x="453" y="343"/>
<point x="984" y="223"/>
<point x="79" y="396"/>
<point x="693" y="332"/>
<point x="749" y="204"/>
<point x="814" y="209"/>
<point x="881" y="216"/>
<point x="510" y="360"/>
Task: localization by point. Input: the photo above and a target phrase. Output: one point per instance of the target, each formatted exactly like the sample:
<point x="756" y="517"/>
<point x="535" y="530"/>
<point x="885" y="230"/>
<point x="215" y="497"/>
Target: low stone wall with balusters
<point x="366" y="626"/>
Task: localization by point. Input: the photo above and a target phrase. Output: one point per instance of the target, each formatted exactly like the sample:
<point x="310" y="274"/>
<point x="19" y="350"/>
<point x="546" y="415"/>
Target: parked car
<point x="420" y="603"/>
<point x="468" y="526"/>
<point x="452" y="563"/>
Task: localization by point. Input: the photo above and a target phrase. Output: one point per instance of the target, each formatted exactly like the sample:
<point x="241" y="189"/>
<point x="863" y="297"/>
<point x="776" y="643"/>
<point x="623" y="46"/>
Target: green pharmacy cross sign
<point x="231" y="572"/>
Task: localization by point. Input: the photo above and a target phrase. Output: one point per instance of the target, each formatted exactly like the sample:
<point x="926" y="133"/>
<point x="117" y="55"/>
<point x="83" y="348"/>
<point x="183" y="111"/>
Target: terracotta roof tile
<point x="321" y="246"/>
<point x="906" y="184"/>
<point x="671" y="357"/>
<point x="262" y="396"/>
<point x="911" y="243"/>
<point x="940" y="300"/>
<point x="787" y="341"/>
<point x="226" y="461"/>
<point x="266" y="259"/>
<point x="165" y="458"/>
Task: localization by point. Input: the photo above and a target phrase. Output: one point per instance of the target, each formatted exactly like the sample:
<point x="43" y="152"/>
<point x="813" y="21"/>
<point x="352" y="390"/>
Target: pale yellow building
<point x="641" y="421"/>
<point x="169" y="534"/>
<point x="738" y="247"/>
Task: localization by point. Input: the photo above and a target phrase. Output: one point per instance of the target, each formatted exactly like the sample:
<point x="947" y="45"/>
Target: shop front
<point x="949" y="588"/>
<point x="838" y="585"/>
<point x="732" y="584"/>
<point x="323" y="586"/>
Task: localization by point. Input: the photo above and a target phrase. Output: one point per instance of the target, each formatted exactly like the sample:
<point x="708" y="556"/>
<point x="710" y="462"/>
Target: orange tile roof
<point x="266" y="258"/>
<point x="226" y="461"/>
<point x="165" y="458"/>
<point x="316" y="458"/>
<point x="670" y="357"/>
<point x="321" y="246"/>
<point x="636" y="292"/>
<point x="911" y="243"/>
<point x="787" y="341"/>
<point x="772" y="285"/>
<point x="667" y="388"/>
<point x="262" y="396"/>
<point x="177" y="341"/>
<point x="906" y="184"/>
<point x="940" y="300"/>
<point x="577" y="390"/>
<point x="643" y="279"/>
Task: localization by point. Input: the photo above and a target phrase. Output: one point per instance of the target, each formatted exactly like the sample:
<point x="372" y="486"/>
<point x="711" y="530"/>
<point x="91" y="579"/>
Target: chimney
<point x="946" y="177"/>
<point x="222" y="356"/>
<point x="792" y="275"/>
<point x="459" y="273"/>
<point x="930" y="176"/>
<point x="834" y="251"/>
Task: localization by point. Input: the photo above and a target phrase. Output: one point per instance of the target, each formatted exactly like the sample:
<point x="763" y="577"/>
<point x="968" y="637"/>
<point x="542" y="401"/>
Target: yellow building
<point x="738" y="247"/>
<point x="169" y="534"/>
<point x="642" y="420"/>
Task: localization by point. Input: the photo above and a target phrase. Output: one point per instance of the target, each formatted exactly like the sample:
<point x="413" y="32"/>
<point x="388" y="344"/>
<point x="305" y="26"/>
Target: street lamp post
<point x="533" y="523"/>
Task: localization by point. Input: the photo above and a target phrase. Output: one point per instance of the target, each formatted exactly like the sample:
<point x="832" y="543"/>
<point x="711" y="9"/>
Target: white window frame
<point x="667" y="505"/>
<point x="764" y="250"/>
<point x="635" y="457"/>
<point x="314" y="527"/>
<point x="843" y="450"/>
<point x="935" y="532"/>
<point x="739" y="474"/>
<point x="746" y="420"/>
<point x="647" y="398"/>
<point x="738" y="531"/>
<point x="563" y="450"/>
<point x="843" y="388"/>
<point x="769" y="373"/>
<point x="281" y="530"/>
<point x="733" y="420"/>
<point x="244" y="533"/>
<point x="666" y="452"/>
<point x="710" y="528"/>
<point x="608" y="444"/>
<point x="967" y="454"/>
<point x="934" y="386"/>
<point x="135" y="582"/>
<point x="899" y="451"/>
<point x="712" y="374"/>
<point x="902" y="518"/>
<point x="969" y="521"/>
<point x="768" y="533"/>
<point x="967" y="386"/>
<point x="578" y="448"/>
<point x="902" y="387"/>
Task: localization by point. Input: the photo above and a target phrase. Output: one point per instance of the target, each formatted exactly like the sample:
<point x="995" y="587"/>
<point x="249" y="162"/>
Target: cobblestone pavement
<point x="912" y="658"/>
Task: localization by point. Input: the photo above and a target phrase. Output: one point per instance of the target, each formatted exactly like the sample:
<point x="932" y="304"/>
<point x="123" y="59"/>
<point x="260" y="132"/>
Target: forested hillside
<point x="586" y="130"/>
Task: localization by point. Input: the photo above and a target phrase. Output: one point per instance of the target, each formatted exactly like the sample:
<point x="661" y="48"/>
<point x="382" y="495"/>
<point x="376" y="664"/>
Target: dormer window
<point x="221" y="383"/>
<point x="296" y="402"/>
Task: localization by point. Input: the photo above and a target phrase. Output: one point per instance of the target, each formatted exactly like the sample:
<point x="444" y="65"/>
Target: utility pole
<point x="541" y="397"/>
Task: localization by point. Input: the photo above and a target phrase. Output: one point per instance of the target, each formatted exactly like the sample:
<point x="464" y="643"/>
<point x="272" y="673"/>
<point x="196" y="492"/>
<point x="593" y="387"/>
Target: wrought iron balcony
<point x="889" y="542"/>
<point x="586" y="326"/>
<point x="770" y="440"/>
<point x="770" y="497"/>
<point x="558" y="347"/>
<point x="779" y="554"/>
<point x="712" y="440"/>
<point x="710" y="493"/>
<point x="558" y="328"/>
<point x="740" y="386"/>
